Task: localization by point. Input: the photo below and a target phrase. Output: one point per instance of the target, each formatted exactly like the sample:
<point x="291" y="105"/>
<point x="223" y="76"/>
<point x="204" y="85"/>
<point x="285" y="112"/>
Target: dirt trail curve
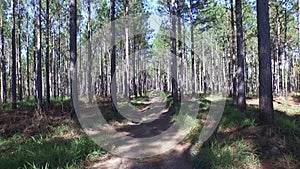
<point x="176" y="158"/>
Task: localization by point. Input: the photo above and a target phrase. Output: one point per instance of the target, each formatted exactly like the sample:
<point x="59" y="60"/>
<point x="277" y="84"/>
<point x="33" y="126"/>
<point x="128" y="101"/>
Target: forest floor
<point x="30" y="139"/>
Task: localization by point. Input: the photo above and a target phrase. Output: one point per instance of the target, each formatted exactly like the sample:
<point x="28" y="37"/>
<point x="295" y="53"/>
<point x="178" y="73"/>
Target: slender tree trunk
<point x="54" y="67"/>
<point x="233" y="56"/>
<point x="285" y="72"/>
<point x="278" y="48"/>
<point x="211" y="75"/>
<point x="39" y="57"/>
<point x="224" y="53"/>
<point x="241" y="58"/>
<point x="179" y="42"/>
<point x="13" y="45"/>
<point x="265" y="72"/>
<point x="27" y="58"/>
<point x="3" y="61"/>
<point x="58" y="70"/>
<point x="186" y="62"/>
<point x="246" y="68"/>
<point x="113" y="85"/>
<point x="106" y="73"/>
<point x="89" y="58"/>
<point x="174" y="56"/>
<point x="73" y="56"/>
<point x="134" y="69"/>
<point x="192" y="48"/>
<point x="204" y="69"/>
<point x="20" y="91"/>
<point x="47" y="54"/>
<point x="102" y="70"/>
<point x="126" y="94"/>
<point x="34" y="92"/>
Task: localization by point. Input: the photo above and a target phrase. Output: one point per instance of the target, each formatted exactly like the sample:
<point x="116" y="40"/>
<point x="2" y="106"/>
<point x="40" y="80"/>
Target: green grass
<point x="287" y="126"/>
<point x="236" y="144"/>
<point x="238" y="154"/>
<point x="47" y="152"/>
<point x="288" y="109"/>
<point x="30" y="104"/>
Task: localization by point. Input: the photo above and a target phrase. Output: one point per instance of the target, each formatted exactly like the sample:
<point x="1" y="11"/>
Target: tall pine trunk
<point x="13" y="46"/>
<point x="179" y="44"/>
<point x="20" y="85"/>
<point x="73" y="56"/>
<point x="192" y="49"/>
<point x="241" y="58"/>
<point x="113" y="89"/>
<point x="47" y="53"/>
<point x="39" y="57"/>
<point x="27" y="58"/>
<point x="3" y="61"/>
<point x="126" y="94"/>
<point x="89" y="58"/>
<point x="278" y="49"/>
<point x="233" y="57"/>
<point x="174" y="56"/>
<point x="58" y="68"/>
<point x="264" y="54"/>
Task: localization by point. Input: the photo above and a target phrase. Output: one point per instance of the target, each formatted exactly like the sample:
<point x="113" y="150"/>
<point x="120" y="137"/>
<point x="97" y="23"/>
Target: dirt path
<point x="156" y="123"/>
<point x="177" y="158"/>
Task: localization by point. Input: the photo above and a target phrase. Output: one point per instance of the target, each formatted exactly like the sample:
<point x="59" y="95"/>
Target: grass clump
<point x="289" y="127"/>
<point x="238" y="154"/>
<point x="46" y="152"/>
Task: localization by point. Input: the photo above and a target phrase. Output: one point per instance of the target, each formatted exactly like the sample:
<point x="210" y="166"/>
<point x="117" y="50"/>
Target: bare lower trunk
<point x="241" y="58"/>
<point x="264" y="53"/>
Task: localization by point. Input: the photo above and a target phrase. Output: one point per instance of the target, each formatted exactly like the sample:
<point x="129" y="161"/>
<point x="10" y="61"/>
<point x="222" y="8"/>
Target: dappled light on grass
<point x="31" y="139"/>
<point x="46" y="151"/>
<point x="240" y="142"/>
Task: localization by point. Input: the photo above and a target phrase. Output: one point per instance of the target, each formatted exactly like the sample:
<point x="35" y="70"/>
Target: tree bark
<point x="20" y="86"/>
<point x="73" y="56"/>
<point x="13" y="45"/>
<point x="265" y="72"/>
<point x="47" y="54"/>
<point x="174" y="56"/>
<point x="27" y="58"/>
<point x="278" y="48"/>
<point x="3" y="62"/>
<point x="233" y="57"/>
<point x="89" y="58"/>
<point x="126" y="73"/>
<point x="39" y="57"/>
<point x="241" y="58"/>
<point x="179" y="43"/>
<point x="192" y="49"/>
<point x="58" y="69"/>
<point x="285" y="72"/>
<point x="113" y="85"/>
